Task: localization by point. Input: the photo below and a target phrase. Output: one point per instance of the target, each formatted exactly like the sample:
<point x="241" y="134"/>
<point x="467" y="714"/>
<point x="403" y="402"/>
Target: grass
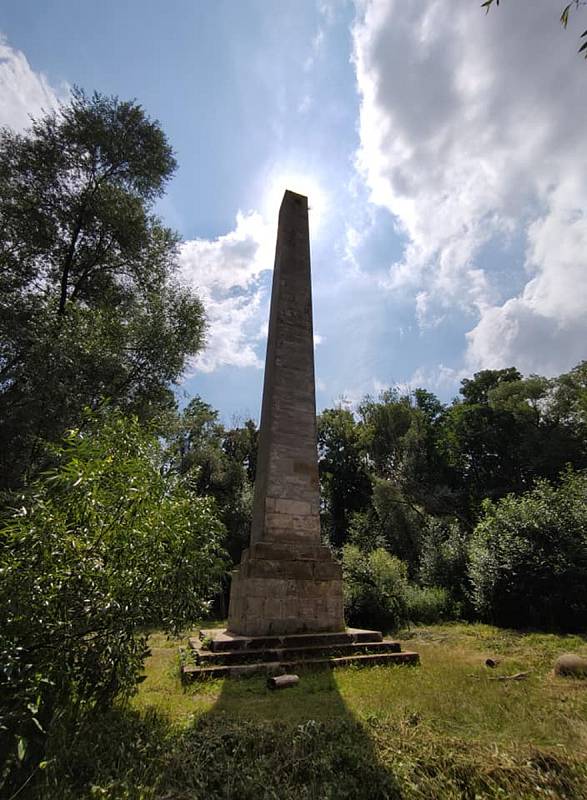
<point x="444" y="730"/>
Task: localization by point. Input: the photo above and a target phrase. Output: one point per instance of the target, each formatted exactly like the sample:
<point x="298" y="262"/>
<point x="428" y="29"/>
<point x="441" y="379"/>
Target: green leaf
<point x="21" y="749"/>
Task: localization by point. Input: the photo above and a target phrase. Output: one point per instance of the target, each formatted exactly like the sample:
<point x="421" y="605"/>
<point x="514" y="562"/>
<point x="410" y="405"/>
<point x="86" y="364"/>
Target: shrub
<point x="529" y="557"/>
<point x="375" y="585"/>
<point x="444" y="560"/>
<point x="428" y="605"/>
<point x="103" y="546"/>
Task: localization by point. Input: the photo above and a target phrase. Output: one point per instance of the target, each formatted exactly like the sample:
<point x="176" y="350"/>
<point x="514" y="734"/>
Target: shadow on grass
<point x="313" y="748"/>
<point x="437" y="733"/>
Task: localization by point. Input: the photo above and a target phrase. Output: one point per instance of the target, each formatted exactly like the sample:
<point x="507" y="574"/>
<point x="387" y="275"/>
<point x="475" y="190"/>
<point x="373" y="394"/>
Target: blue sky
<point x="442" y="154"/>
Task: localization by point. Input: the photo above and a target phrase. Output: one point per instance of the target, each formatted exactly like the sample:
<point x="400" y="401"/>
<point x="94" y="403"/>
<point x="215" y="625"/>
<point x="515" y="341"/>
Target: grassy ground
<point x="443" y="730"/>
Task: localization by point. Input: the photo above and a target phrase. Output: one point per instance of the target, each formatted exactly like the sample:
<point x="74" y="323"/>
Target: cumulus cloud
<point x="472" y="133"/>
<point x="23" y="92"/>
<point x="226" y="274"/>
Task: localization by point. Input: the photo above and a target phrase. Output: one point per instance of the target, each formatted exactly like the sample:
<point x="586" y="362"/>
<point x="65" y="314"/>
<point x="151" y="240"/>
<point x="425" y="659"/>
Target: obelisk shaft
<point x="287" y="492"/>
<point x="287" y="582"/>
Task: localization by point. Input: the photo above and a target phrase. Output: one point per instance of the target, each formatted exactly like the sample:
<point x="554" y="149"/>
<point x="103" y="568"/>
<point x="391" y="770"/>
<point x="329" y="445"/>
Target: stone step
<point x="191" y="672"/>
<point x="207" y="657"/>
<point x="221" y="641"/>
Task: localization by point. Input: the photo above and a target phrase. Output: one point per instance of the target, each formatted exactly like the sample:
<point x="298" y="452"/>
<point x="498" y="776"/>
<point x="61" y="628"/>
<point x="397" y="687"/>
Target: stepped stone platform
<point x="218" y="654"/>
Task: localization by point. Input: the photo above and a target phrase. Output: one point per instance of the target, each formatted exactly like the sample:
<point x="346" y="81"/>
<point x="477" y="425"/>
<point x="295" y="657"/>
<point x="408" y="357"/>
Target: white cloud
<point x="23" y="92"/>
<point x="225" y="272"/>
<point x="440" y="379"/>
<point x="472" y="130"/>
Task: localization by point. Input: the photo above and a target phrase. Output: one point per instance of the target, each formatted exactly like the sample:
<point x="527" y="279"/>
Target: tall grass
<point x="443" y="731"/>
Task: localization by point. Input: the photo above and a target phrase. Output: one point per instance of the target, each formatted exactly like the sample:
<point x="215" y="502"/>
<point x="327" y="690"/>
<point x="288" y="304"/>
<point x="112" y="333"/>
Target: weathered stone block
<point x="327" y="570"/>
<point x="254" y="607"/>
<point x="273" y="608"/>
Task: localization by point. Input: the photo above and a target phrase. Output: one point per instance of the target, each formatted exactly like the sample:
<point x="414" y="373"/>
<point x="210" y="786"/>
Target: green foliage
<point x="444" y="560"/>
<point x="400" y="522"/>
<point x="529" y="557"/>
<point x="430" y="466"/>
<point x="364" y="530"/>
<point x="375" y="587"/>
<point x="343" y="472"/>
<point x="476" y="390"/>
<point x="428" y="605"/>
<point x="102" y="546"/>
<point x="219" y="463"/>
<point x="385" y="424"/>
<point x="90" y="307"/>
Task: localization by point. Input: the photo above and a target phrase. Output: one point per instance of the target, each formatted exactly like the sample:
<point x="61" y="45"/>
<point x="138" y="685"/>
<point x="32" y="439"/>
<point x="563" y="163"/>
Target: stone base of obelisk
<point x="286" y="589"/>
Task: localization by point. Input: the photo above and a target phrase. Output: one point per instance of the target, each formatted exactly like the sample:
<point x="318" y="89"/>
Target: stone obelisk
<point x="288" y="582"/>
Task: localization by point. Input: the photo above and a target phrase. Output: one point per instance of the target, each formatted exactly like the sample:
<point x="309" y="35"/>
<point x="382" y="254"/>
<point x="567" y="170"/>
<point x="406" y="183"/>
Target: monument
<point x="286" y="600"/>
<point x="288" y="582"/>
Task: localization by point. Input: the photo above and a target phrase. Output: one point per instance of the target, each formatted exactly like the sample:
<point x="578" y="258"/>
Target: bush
<point x="444" y="560"/>
<point x="103" y="546"/>
<point x="428" y="605"/>
<point x="375" y="587"/>
<point x="529" y="557"/>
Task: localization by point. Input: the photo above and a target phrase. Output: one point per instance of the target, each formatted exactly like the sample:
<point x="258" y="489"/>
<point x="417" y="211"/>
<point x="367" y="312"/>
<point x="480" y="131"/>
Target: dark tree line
<point x="417" y="477"/>
<point x="425" y="458"/>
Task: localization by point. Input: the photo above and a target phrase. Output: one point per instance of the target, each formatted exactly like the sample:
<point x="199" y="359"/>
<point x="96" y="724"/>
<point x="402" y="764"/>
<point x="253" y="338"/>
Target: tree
<point x="218" y="463"/>
<point x="103" y="546"/>
<point x="386" y="421"/>
<point x="90" y="306"/>
<point x="476" y="390"/>
<point x="564" y="17"/>
<point x="529" y="557"/>
<point x="346" y="486"/>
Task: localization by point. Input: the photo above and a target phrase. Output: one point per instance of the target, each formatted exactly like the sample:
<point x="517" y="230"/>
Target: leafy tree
<point x="105" y="545"/>
<point x="386" y="421"/>
<point x="89" y="304"/>
<point x="399" y="522"/>
<point x="476" y="390"/>
<point x="196" y="445"/>
<point x="219" y="463"/>
<point x="482" y="447"/>
<point x="345" y="482"/>
<point x="567" y="410"/>
<point x="444" y="559"/>
<point x="529" y="557"/>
